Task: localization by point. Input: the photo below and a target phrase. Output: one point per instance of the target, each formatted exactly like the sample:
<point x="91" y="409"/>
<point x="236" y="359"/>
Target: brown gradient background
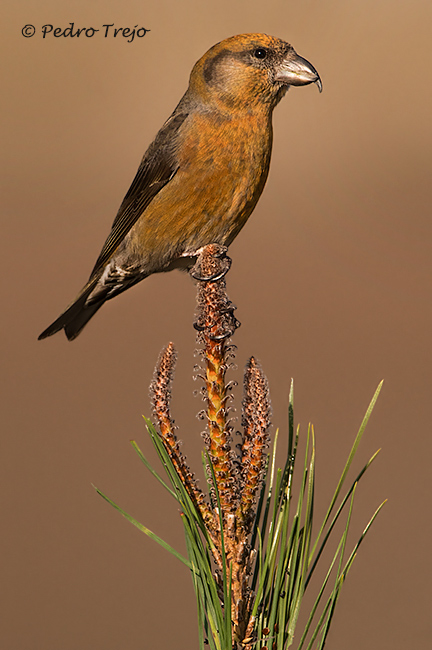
<point x="331" y="277"/>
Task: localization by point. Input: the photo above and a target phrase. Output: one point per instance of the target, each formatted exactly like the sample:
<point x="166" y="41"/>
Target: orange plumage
<point x="202" y="176"/>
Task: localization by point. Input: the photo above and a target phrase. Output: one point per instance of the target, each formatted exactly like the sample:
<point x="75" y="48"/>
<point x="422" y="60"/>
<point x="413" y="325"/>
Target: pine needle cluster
<point x="251" y="550"/>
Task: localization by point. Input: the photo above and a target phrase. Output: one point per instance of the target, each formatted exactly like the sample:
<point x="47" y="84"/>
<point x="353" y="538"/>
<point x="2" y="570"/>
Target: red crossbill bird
<point x="203" y="174"/>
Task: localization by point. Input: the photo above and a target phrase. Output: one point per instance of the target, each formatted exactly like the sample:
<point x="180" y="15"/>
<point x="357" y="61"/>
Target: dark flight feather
<point x="157" y="168"/>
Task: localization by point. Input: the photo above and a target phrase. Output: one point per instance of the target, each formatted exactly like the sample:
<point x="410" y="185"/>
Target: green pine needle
<point x="285" y="557"/>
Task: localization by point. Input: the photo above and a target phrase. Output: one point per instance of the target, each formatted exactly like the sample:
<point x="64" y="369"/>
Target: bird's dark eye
<point x="260" y="53"/>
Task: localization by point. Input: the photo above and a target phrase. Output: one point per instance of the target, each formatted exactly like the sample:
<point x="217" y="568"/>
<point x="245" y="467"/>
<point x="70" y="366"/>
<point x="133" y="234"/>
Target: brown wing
<point x="157" y="168"/>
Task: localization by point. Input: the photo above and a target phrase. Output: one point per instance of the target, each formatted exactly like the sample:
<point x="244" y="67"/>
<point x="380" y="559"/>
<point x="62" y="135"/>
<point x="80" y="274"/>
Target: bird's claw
<point x="227" y="334"/>
<point x="215" y="276"/>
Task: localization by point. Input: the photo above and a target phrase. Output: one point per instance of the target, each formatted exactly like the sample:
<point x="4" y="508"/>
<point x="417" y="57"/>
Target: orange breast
<point x="223" y="169"/>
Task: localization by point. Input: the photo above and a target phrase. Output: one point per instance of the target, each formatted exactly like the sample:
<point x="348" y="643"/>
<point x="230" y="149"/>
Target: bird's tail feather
<point x="75" y="317"/>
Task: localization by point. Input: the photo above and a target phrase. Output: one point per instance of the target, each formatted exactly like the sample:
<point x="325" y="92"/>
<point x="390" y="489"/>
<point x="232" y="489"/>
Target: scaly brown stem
<point x="160" y="392"/>
<point x="216" y="324"/>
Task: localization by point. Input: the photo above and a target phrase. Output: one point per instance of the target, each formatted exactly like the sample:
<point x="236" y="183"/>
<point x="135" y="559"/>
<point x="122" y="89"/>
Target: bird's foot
<point x="221" y="263"/>
<point x="216" y="318"/>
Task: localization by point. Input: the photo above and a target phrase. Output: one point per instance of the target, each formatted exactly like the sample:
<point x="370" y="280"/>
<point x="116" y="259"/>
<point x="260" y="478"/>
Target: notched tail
<point x="75" y="317"/>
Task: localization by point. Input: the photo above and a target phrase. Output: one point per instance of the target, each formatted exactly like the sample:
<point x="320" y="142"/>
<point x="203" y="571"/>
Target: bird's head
<point x="248" y="71"/>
